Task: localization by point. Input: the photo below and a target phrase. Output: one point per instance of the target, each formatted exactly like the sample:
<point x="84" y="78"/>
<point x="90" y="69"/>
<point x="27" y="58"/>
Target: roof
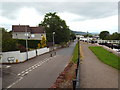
<point x="23" y="28"/>
<point x="20" y="28"/>
<point x="37" y="30"/>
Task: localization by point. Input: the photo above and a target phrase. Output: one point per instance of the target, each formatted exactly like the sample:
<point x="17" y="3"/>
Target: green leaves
<point x="106" y="36"/>
<point x="53" y="23"/>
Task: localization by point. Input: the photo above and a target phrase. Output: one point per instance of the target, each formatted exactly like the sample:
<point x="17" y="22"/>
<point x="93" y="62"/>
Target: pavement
<point x="39" y="72"/>
<point x="94" y="73"/>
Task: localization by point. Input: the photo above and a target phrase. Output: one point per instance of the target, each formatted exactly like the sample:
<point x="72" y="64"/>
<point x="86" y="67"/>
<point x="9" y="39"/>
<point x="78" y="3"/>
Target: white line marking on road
<point x="14" y="83"/>
<point x="30" y="70"/>
<point x="26" y="71"/>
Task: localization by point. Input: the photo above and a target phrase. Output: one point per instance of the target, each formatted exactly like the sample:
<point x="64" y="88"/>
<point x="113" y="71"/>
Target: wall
<point x="108" y="41"/>
<point x="21" y="35"/>
<point x="31" y="54"/>
<point x="42" y="51"/>
<point x="10" y="55"/>
<point x="17" y="56"/>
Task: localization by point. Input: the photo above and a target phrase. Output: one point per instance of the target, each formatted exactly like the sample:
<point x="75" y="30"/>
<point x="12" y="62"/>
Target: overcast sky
<point x="80" y="16"/>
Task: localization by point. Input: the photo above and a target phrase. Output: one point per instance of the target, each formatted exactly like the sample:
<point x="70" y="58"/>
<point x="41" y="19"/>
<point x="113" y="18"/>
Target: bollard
<point x="76" y="70"/>
<point x="51" y="55"/>
<point x="74" y="84"/>
<point x="78" y="63"/>
<point x="55" y="53"/>
<point x="17" y="60"/>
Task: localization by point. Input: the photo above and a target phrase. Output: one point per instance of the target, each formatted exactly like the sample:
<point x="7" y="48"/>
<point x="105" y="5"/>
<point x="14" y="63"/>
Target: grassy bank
<point x="106" y="56"/>
<point x="75" y="54"/>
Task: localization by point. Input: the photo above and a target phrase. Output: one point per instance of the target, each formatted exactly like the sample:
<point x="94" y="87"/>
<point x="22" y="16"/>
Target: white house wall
<point x="21" y="35"/>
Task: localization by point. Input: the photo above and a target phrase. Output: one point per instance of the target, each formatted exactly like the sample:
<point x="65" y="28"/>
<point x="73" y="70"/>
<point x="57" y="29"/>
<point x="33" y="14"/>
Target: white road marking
<point x="30" y="70"/>
<point x="22" y="71"/>
<point x="26" y="71"/>
<point x="19" y="74"/>
<point x="14" y="83"/>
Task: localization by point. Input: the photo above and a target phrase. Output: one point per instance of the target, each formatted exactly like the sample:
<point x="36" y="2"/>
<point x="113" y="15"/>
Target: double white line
<point x="26" y="71"/>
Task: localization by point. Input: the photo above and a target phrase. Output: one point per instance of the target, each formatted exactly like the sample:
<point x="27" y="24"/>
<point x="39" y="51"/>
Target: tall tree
<point x="104" y="35"/>
<point x="53" y="23"/>
<point x="72" y="35"/>
<point x="115" y="36"/>
<point x="8" y="44"/>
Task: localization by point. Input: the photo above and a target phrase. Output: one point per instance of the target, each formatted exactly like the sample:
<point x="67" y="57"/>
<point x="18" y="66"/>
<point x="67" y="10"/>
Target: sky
<point x="82" y="15"/>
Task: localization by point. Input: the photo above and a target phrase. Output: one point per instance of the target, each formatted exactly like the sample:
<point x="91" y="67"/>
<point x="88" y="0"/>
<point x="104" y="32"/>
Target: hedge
<point x="31" y="43"/>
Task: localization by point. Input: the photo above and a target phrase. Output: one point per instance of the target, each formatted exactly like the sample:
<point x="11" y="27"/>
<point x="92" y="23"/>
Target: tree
<point x="53" y="23"/>
<point x="38" y="45"/>
<point x="43" y="42"/>
<point x="104" y="35"/>
<point x="115" y="36"/>
<point x="88" y="35"/>
<point x="8" y="44"/>
<point x="72" y="35"/>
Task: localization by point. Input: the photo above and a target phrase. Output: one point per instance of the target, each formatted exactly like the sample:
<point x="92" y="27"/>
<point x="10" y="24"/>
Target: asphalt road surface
<point x="94" y="73"/>
<point x="39" y="72"/>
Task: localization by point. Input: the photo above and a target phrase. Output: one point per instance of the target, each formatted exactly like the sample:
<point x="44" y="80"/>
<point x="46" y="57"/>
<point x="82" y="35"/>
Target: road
<point x="94" y="73"/>
<point x="39" y="72"/>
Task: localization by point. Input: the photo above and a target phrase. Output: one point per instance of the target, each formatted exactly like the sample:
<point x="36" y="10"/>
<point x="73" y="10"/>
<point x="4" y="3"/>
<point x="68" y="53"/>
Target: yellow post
<point x="17" y="60"/>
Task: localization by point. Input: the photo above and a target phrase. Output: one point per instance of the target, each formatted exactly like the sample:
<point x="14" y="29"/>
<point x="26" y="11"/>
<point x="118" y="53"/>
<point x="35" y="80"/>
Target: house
<point x="80" y="37"/>
<point x="27" y="32"/>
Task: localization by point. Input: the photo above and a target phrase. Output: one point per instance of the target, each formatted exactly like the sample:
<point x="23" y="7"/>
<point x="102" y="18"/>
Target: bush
<point x="31" y="43"/>
<point x="22" y="48"/>
<point x="9" y="45"/>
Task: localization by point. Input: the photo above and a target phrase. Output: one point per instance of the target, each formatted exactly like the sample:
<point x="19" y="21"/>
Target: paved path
<point x="40" y="72"/>
<point x="94" y="73"/>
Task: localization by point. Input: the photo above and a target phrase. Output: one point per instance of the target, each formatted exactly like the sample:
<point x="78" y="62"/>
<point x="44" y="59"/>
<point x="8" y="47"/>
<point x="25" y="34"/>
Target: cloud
<point x="97" y="25"/>
<point x="90" y="10"/>
<point x="29" y="16"/>
<point x="81" y="16"/>
<point x="25" y="16"/>
<point x="70" y="17"/>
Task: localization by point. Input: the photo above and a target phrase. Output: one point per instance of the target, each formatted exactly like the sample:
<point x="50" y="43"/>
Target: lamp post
<point x="87" y="37"/>
<point x="53" y="40"/>
<point x="26" y="42"/>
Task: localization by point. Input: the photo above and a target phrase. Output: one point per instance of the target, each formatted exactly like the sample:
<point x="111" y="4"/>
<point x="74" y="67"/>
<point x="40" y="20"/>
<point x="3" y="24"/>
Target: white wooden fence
<point x="108" y="41"/>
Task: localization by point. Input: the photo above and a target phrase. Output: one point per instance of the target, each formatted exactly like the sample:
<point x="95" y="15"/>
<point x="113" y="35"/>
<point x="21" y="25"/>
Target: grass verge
<point x="75" y="54"/>
<point x="106" y="56"/>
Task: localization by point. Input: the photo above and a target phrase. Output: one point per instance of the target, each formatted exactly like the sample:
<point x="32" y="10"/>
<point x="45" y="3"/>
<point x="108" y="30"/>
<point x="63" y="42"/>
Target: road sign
<point x="10" y="59"/>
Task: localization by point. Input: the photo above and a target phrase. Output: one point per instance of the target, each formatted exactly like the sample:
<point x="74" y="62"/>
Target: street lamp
<point x="26" y="34"/>
<point x="53" y="40"/>
<point x="87" y="37"/>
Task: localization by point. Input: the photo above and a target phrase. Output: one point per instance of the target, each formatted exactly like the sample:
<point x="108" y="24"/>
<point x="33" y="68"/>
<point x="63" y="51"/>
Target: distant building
<point x="95" y="37"/>
<point x="80" y="36"/>
<point x="25" y="31"/>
